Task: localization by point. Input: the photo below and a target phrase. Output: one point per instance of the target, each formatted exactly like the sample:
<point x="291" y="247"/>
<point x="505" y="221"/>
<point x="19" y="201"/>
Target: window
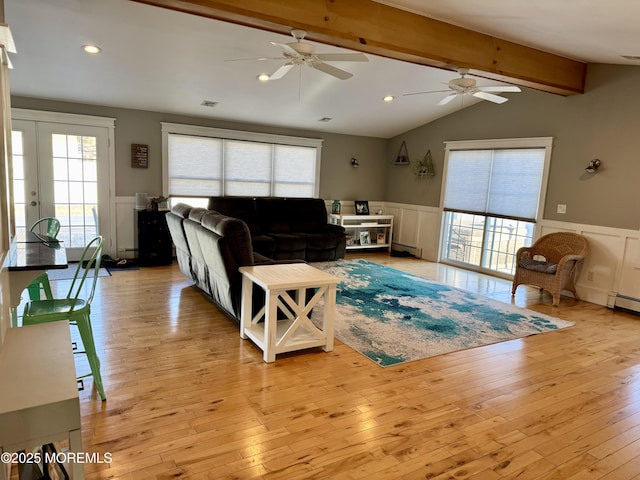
<point x="492" y="196"/>
<point x="204" y="162"/>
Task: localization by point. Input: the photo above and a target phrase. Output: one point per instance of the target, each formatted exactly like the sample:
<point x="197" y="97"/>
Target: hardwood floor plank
<point x="187" y="398"/>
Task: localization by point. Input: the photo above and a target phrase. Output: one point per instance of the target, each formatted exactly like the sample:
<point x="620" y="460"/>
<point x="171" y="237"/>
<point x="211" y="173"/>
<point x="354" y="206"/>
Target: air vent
<point x="208" y="103"/>
<point x="631" y="57"/>
<point x="325" y="119"/>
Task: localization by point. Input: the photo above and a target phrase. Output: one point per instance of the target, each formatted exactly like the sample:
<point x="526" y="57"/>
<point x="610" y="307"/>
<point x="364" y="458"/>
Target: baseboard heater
<point x="411" y="250"/>
<point x="627" y="304"/>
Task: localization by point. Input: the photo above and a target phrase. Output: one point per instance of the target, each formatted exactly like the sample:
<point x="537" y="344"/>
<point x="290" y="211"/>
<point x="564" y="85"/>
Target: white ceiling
<point x="160" y="60"/>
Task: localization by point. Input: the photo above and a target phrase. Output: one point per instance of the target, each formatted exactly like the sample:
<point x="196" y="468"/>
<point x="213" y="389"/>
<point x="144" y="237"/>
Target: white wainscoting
<point x="614" y="260"/>
<point x="125" y="229"/>
<point x="610" y="275"/>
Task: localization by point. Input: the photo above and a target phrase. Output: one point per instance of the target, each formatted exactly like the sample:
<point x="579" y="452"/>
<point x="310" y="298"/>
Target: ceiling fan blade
<point x="342" y="57"/>
<point x="490" y="97"/>
<point x="506" y="88"/>
<point x="421" y="93"/>
<point x="253" y="59"/>
<point x="286" y="49"/>
<point x="331" y="70"/>
<point x="281" y="72"/>
<point x="447" y="99"/>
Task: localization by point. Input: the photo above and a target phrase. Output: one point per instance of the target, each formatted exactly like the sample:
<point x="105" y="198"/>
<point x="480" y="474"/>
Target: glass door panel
<point x="75" y="187"/>
<point x="62" y="170"/>
<point x="485" y="243"/>
<point x="25" y="176"/>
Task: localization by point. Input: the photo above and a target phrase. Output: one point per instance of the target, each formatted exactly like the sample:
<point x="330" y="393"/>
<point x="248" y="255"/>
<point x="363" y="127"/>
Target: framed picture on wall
<point x="362" y="207"/>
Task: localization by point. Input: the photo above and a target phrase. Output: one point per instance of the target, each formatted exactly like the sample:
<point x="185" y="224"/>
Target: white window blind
<point x="195" y="168"/>
<point x="500" y="182"/>
<point x="202" y="162"/>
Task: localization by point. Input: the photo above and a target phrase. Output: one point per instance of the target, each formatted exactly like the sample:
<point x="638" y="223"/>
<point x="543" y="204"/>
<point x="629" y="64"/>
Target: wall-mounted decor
<point x="403" y="155"/>
<point x="424" y="168"/>
<point x="362" y="207"/>
<point x="139" y="155"/>
<point x="593" y="166"/>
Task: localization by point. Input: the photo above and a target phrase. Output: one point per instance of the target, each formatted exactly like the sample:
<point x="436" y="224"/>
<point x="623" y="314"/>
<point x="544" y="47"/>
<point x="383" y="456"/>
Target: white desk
<point x="39" y="398"/>
<point x="296" y="332"/>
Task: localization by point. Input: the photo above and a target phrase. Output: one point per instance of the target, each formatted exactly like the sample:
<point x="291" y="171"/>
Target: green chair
<point x="75" y="309"/>
<point x="50" y="227"/>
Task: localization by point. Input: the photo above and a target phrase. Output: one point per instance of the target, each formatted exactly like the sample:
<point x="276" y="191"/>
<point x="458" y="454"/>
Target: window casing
<point x="492" y="196"/>
<point x="203" y="162"/>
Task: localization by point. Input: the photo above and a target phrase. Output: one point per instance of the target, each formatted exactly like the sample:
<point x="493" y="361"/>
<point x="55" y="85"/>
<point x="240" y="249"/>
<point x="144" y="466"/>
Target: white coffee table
<point x="296" y="332"/>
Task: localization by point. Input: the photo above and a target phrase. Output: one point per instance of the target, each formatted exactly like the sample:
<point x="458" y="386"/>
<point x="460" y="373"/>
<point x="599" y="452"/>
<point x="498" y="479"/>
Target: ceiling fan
<point x="467" y="86"/>
<point x="303" y="53"/>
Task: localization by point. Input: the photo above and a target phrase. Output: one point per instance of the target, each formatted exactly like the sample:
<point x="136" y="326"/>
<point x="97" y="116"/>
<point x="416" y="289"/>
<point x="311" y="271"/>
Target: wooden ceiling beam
<point x="371" y="27"/>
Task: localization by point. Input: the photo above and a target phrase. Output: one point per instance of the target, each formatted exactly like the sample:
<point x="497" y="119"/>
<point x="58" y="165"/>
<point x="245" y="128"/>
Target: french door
<point x="62" y="170"/>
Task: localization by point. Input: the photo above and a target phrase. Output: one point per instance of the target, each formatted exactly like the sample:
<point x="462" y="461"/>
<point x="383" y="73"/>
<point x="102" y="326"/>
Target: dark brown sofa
<point x="286" y="228"/>
<point x="210" y="248"/>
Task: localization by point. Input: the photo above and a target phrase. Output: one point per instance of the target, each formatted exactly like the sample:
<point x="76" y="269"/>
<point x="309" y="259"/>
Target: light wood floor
<point x="187" y="398"/>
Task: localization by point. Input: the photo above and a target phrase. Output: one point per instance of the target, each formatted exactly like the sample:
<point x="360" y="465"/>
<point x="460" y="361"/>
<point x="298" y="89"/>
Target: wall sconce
<point x="593" y="166"/>
<point x="354" y="162"/>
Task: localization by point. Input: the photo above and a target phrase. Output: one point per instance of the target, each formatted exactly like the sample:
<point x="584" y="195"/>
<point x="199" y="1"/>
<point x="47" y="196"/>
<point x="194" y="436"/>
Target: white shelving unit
<point x="365" y="231"/>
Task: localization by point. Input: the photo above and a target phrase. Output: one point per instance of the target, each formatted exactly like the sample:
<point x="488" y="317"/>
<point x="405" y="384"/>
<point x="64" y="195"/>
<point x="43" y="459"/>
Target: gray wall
<point x="603" y="123"/>
<point x="338" y="180"/>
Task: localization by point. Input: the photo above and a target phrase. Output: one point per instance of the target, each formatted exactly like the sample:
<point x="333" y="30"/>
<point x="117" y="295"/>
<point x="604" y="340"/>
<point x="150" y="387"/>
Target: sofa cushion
<point x="263" y="244"/>
<point x="198" y="263"/>
<point x="307" y="214"/>
<point x="181" y="209"/>
<point x="289" y="246"/>
<point x="175" y="222"/>
<point x="243" y="208"/>
<point x="538" y="266"/>
<point x="321" y="241"/>
<point x="235" y="233"/>
<point x="274" y="215"/>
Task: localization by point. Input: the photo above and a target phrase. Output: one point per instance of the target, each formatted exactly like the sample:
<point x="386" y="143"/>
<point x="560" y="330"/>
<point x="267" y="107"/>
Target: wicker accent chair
<point x="550" y="263"/>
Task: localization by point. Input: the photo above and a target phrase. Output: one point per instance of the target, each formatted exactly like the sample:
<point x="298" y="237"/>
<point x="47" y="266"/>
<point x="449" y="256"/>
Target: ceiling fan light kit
<point x="300" y="53"/>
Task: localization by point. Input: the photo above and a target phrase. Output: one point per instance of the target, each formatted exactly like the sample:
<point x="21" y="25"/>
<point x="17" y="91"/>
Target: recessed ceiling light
<point x="388" y="98"/>
<point x="208" y="103"/>
<point x="91" y="49"/>
<point x="263" y="77"/>
<point x="325" y="119"/>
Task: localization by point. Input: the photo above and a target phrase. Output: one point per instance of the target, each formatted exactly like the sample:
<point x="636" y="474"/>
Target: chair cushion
<point x="538" y="266"/>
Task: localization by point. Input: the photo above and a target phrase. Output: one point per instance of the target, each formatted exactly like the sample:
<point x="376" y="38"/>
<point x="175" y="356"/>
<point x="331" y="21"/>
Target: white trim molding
<point x="609" y="276"/>
<point x="91" y="121"/>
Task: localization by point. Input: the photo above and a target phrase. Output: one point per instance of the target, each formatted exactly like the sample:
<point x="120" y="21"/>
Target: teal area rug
<point x="393" y="317"/>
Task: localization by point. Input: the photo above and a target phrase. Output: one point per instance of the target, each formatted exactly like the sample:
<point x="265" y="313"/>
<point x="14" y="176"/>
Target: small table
<point x="39" y="402"/>
<point x="296" y="332"/>
<point x="29" y="259"/>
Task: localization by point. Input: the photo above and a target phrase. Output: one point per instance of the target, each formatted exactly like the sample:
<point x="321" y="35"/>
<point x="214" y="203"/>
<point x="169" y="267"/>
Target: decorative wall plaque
<point x="139" y="155"/>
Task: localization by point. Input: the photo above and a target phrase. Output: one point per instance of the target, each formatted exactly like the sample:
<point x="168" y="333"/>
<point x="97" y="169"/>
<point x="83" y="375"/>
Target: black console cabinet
<point x="154" y="240"/>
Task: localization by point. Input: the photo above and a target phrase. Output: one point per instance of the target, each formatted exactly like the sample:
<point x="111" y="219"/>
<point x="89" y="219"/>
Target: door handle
<point x="34" y="203"/>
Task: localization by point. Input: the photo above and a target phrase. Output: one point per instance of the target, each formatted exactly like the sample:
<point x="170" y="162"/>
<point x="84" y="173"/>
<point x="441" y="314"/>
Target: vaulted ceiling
<point x="172" y="59"/>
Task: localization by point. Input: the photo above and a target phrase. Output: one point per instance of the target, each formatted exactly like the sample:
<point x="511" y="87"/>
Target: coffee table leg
<point x="247" y="307"/>
<point x="271" y="317"/>
<point x="328" y="316"/>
